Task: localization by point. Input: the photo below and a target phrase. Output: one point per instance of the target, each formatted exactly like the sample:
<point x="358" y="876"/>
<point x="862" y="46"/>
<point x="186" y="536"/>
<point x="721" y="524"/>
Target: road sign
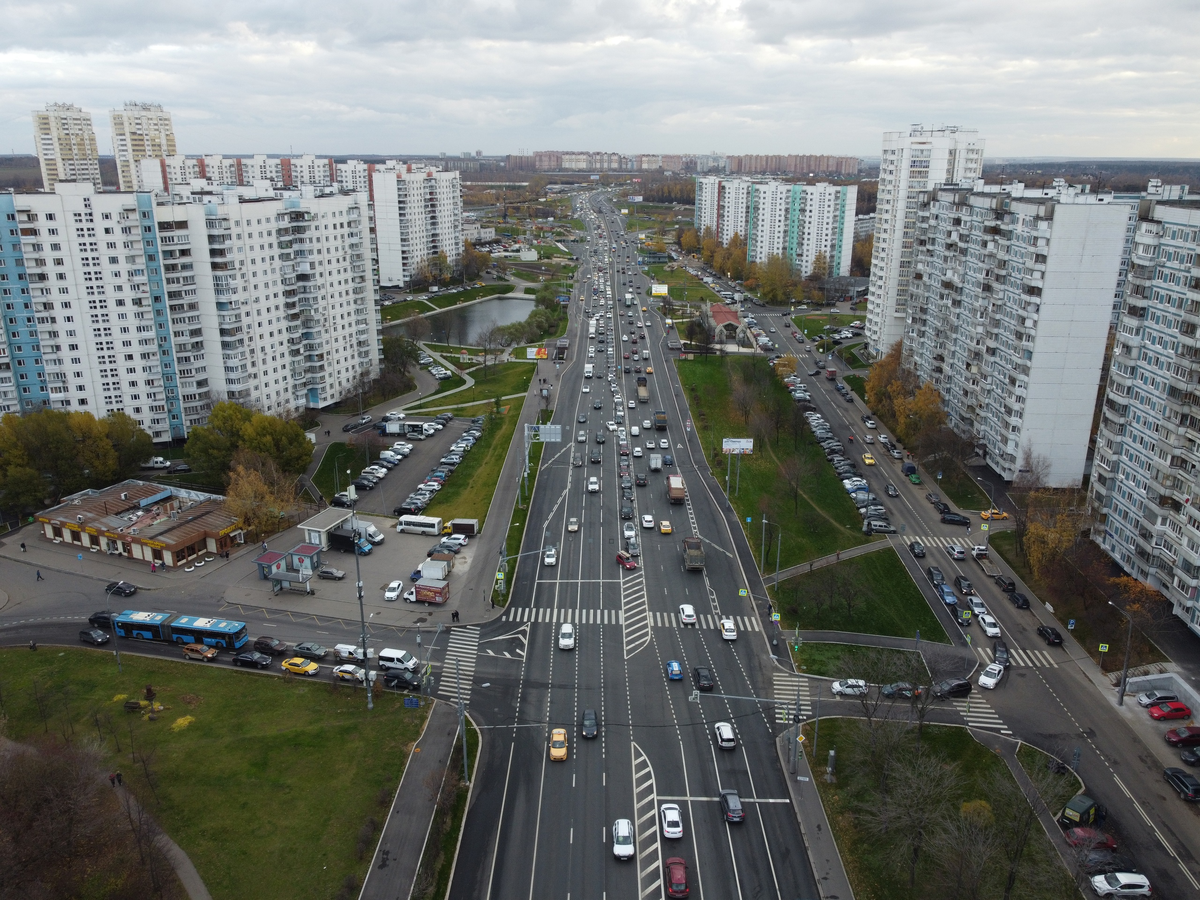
<point x="774" y="617"/>
<point x="983" y="526"/>
<point x="410" y="702"/>
<point x="1104" y="648"/>
<point x="1070" y="624"/>
<point x="499" y="576"/>
<point x="749" y="520"/>
<point x="742" y="592"/>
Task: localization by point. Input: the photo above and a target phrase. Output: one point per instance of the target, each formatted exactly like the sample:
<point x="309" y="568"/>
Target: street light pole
<point x="108" y="612"/>
<point x="362" y="616"/>
<point x="1128" y="644"/>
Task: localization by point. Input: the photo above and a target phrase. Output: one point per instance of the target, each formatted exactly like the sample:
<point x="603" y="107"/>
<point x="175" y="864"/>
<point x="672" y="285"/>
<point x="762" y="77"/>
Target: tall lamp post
<point x="362" y="617"/>
<point x="108" y="612"/>
<point x="1128" y="644"/>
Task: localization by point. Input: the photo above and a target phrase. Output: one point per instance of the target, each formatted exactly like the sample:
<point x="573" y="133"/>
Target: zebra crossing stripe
<point x="979" y="715"/>
<point x="787" y="687"/>
<point x="458" y="665"/>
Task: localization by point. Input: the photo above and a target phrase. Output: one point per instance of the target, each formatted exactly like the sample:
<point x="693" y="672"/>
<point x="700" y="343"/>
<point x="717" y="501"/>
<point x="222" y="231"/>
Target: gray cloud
<point x="629" y="75"/>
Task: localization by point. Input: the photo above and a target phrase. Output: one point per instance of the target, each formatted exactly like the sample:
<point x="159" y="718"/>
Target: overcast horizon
<point x="1068" y="79"/>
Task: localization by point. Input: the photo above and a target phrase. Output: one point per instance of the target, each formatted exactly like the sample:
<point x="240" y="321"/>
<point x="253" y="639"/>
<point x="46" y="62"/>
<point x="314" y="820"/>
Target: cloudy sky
<point x="1036" y="77"/>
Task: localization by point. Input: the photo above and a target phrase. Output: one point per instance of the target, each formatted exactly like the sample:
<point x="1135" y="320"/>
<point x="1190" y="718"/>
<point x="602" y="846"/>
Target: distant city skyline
<point x="627" y="76"/>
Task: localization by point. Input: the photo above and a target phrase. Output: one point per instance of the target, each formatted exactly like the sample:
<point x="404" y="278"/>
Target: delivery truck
<point x="660" y="420"/>
<point x="432" y="590"/>
<point x="437" y="569"/>
<point x="346" y="541"/>
<point x="469" y="527"/>
<point x="693" y="554"/>
<point x="676" y="492"/>
<point x="655" y="462"/>
<point x="643" y="390"/>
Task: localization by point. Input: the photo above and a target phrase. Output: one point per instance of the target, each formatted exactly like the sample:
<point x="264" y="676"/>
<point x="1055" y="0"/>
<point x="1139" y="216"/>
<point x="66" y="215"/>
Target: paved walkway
<point x="398" y="856"/>
<point x="821" y="562"/>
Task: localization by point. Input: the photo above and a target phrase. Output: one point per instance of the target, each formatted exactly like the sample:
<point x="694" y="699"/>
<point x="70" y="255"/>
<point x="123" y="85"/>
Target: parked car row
<point x="424" y="493"/>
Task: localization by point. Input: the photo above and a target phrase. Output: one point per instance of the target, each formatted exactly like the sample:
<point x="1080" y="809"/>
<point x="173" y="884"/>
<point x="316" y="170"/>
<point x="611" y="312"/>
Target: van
<point x="370" y="532"/>
<point x="655" y="462"/>
<point x="588" y="369"/>
<point x="351" y="653"/>
<point x="397" y="659"/>
<point x="645" y="354"/>
<point x="419" y="525"/>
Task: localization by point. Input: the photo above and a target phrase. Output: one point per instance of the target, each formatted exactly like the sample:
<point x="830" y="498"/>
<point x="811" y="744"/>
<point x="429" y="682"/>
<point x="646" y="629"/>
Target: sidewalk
<point x="821" y="562"/>
<point x="402" y="843"/>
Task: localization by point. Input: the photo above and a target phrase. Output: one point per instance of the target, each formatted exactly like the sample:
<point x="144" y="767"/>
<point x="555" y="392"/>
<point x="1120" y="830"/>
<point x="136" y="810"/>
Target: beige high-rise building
<point x="139" y="131"/>
<point x="66" y="145"/>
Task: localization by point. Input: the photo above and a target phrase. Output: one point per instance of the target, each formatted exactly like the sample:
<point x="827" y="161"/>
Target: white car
<point x="977" y="605"/>
<point x="622" y="835"/>
<point x="637" y="452"/>
<point x="723" y="732"/>
<point x="459" y="539"/>
<point x="566" y="636"/>
<point x="587" y="388"/>
<point x="990" y="677"/>
<point x="851" y="687"/>
<point x="394" y="590"/>
<point x="728" y="630"/>
<point x="634" y="431"/>
<point x="632" y="404"/>
<point x="647" y="521"/>
<point x="990" y="626"/>
<point x="664" y="444"/>
<point x="350" y="673"/>
<point x="646" y="424"/>
<point x="628" y="530"/>
<point x="672" y="820"/>
<point x="687" y="614"/>
<point x="434" y="486"/>
<point x="650" y="445"/>
<point x="550" y="557"/>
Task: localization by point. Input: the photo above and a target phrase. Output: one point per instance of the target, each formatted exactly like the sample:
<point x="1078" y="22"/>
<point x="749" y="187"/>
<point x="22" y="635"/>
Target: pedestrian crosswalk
<point x="979" y="714"/>
<point x="617" y="617"/>
<point x="791" y="690"/>
<point x="966" y="541"/>
<point x="1018" y="657"/>
<point x="458" y="665"/>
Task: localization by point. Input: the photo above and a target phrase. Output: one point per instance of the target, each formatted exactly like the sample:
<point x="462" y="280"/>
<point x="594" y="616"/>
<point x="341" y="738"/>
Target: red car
<point x="675" y="871"/>
<point x="1187" y="736"/>
<point x="1172" y="710"/>
<point x="626" y="560"/>
<point x="1089" y="839"/>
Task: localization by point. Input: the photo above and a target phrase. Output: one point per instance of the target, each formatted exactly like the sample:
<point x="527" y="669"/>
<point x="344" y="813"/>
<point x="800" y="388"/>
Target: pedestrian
<point x="33" y="645"/>
<point x="39" y="575"/>
<point x="264" y="546"/>
<point x="112" y="778"/>
<point x="22" y="546"/>
<point x="153" y="569"/>
<point x="810" y="566"/>
<point x="839" y="556"/>
<point x="120" y="780"/>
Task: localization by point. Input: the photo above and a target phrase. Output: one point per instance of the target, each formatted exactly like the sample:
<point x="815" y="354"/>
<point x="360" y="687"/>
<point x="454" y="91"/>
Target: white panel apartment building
<point x="916" y="160"/>
<point x="1146" y="477"/>
<point x="162" y="306"/>
<point x="139" y="131"/>
<point x="418" y="214"/>
<point x="1009" y="313"/>
<point x="66" y="145"/>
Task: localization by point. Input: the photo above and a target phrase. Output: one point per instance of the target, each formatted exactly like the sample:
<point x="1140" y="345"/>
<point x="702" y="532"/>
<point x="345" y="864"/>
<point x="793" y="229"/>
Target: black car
<point x="93" y="636"/>
<point x="1190" y="756"/>
<point x="400" y="680"/>
<point x="600" y="437"/>
<point x="582" y="417"/>
<point x="443" y="548"/>
<point x="941" y="507"/>
<point x="589" y="726"/>
<point x="703" y="677"/>
<point x="952" y="687"/>
<point x="595" y="457"/>
<point x="271" y="645"/>
<point x="347" y="503"/>
<point x="1000" y="654"/>
<point x="1019" y="600"/>
<point x="180" y="469"/>
<point x="640" y="479"/>
<point x="364" y="484"/>
<point x="731" y="807"/>
<point x="900" y="690"/>
<point x="626" y="512"/>
<point x="1184" y="783"/>
<point x="597" y="405"/>
<point x="1005" y="584"/>
<point x="100" y="620"/>
<point x="1100" y="862"/>
<point x="121" y="588"/>
<point x="963" y="584"/>
<point x="917" y="549"/>
<point x="935" y="576"/>
<point x="310" y="650"/>
<point x="891" y="490"/>
<point x="252" y="658"/>
<point x="954" y="519"/>
<point x="668" y="461"/>
<point x="1050" y="635"/>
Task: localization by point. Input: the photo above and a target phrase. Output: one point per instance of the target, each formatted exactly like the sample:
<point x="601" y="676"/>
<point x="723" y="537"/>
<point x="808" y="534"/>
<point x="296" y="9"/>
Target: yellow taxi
<point x="558" y="744"/>
<point x="664" y="527"/>
<point x="649" y="370"/>
<point x="993" y="513"/>
<point x="298" y="665"/>
<point x="868" y="459"/>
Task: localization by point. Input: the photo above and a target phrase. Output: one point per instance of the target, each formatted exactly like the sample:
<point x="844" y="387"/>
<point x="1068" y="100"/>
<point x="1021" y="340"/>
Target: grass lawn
<point x="442" y="841"/>
<point x="516" y="528"/>
<point x="857" y="384"/>
<point x="836" y="660"/>
<point x="449" y="384"/>
<point x="339" y="457"/>
<point x="398" y="311"/>
<point x="958" y="485"/>
<point x="870" y="861"/>
<point x="251" y="773"/>
<point x="500" y="380"/>
<point x="1034" y="761"/>
<point x="821" y="520"/>
<point x="888" y="603"/>
<point x="453" y="298"/>
<point x="450" y="350"/>
<point x="469" y="493"/>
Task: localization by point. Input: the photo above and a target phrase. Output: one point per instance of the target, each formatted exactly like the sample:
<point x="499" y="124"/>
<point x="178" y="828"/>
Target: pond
<point x="460" y="325"/>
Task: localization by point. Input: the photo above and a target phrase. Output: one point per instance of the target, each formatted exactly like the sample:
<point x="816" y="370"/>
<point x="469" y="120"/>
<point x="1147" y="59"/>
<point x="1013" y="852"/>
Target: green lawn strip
<point x="837" y="660"/>
<point x="516" y="528"/>
<point x="437" y="862"/>
<point x="449" y="384"/>
<point x="444" y="299"/>
<point x="397" y="311"/>
<point x="469" y="493"/>
<point x="550" y="251"/>
<point x="500" y="380"/>
<point x="330" y="476"/>
<point x="1034" y="762"/>
<point x="820" y="522"/>
<point x="857" y="384"/>
<point x="530" y="290"/>
<point x="887" y="602"/>
<point x="451" y="350"/>
<point x="248" y="780"/>
<point x="957" y="485"/>
<point x="870" y="858"/>
<point x="372" y="398"/>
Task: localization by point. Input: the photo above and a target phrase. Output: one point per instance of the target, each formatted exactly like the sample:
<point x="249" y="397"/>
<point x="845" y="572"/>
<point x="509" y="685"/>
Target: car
<point x="724" y="736"/>
<point x="954" y="519"/>
<point x="942" y="507"/>
<point x="1000" y="654"/>
<point x="625" y="560"/>
<point x="550" y="556"/>
<point x="1154" y="698"/>
<point x="310" y="650"/>
<point x="622" y="837"/>
<point x="1120" y="884"/>
<point x="728" y="629"/>
<point x="566" y="636"/>
<point x="672" y="820"/>
<point x="402" y="680"/>
<point x="1019" y="600"/>
<point x="900" y="690"/>
<point x="1184" y="783"/>
<point x="1173" y="710"/>
<point x="891" y="490"/>
<point x="1007" y="585"/>
<point x="674" y="670"/>
<point x="252" y="658"/>
<point x="460" y="539"/>
<point x="329" y="573"/>
<point x="558" y="744"/>
<point x="878" y="526"/>
<point x="731" y="806"/>
<point x="647" y="424"/>
<point x="954" y="551"/>
<point x="993" y="513"/>
<point x="1089" y="839"/>
<point x="343" y="501"/>
<point x="990" y="677"/>
<point x="1098" y="862"/>
<point x="593" y="485"/>
<point x="298" y="665"/>
<point x="364" y="484"/>
<point x="393" y="591"/>
<point x="850" y="687"/>
<point x="868" y="459"/>
<point x="648" y="521"/>
<point x="703" y="677"/>
<point x="572" y="524"/>
<point x="93" y="636"/>
<point x="271" y="646"/>
<point x="963" y="585"/>
<point x="597" y="404"/>
<point x="917" y="549"/>
<point x="675" y="876"/>
<point x="121" y="588"/>
<point x="1050" y="635"/>
<point x="180" y="469"/>
<point x="194" y="651"/>
<point x="935" y="575"/>
<point x="349" y="672"/>
<point x="951" y="688"/>
<point x="687" y="614"/>
<point x="990" y="626"/>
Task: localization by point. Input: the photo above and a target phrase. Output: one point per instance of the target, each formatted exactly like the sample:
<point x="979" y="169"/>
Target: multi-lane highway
<point x="541" y="828"/>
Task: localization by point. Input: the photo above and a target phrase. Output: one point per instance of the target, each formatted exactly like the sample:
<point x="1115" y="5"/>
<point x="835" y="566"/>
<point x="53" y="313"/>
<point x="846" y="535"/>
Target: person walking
<point x="39" y="575"/>
<point x="120" y="780"/>
<point x="112" y="778"/>
<point x="22" y="546"/>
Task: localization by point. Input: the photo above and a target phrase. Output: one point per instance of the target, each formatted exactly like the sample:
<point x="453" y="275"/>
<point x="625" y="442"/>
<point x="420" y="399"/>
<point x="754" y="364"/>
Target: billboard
<point x="624" y="211"/>
<point x="537" y="353"/>
<point x="636" y="199"/>
<point x="737" y="446"/>
<point x="658" y="290"/>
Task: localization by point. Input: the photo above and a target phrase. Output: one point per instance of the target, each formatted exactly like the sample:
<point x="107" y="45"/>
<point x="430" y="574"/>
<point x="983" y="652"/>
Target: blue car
<point x="674" y="670"/>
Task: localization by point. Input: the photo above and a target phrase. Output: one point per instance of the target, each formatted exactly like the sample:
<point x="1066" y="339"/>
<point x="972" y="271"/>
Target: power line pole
<point x="462" y="726"/>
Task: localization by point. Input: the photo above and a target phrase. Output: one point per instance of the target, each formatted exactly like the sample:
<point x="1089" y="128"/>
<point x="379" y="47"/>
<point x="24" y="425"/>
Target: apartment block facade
<point x="1146" y="478"/>
<point x="139" y="131"/>
<point x="418" y="214"/>
<point x="162" y="305"/>
<point x="1008" y="314"/>
<point x="66" y="145"/>
<point x="913" y="161"/>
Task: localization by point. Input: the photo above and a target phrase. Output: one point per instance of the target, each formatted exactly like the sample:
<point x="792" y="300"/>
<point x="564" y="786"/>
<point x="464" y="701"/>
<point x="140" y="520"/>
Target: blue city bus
<point x="148" y="626"/>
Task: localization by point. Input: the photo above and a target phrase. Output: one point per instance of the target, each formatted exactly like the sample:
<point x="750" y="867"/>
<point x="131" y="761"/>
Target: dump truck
<point x="676" y="492"/>
<point x="643" y="391"/>
<point x="693" y="554"/>
<point x="660" y="420"/>
<point x="433" y="590"/>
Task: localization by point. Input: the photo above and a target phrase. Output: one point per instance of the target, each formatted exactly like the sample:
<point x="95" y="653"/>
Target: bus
<point x="171" y="628"/>
<point x="419" y="525"/>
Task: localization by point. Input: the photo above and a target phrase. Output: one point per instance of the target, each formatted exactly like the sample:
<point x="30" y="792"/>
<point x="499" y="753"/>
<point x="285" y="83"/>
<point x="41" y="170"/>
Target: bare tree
<point x="489" y="341"/>
<point x="966" y="846"/>
<point x="1017" y="805"/>
<point x="1033" y="471"/>
<point x="744" y="397"/>
<point x="418" y="328"/>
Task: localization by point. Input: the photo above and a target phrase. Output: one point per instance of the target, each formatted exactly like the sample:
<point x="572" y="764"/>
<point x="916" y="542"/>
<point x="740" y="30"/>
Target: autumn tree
<point x="285" y="443"/>
<point x="689" y="241"/>
<point x="775" y="280"/>
<point x="888" y="379"/>
<point x="1147" y="605"/>
<point x="418" y="328"/>
<point x="708" y="245"/>
<point x="251" y="500"/>
<point x="744" y="397"/>
<point x="860" y="256"/>
<point x="820" y="268"/>
<point x="231" y="427"/>
<point x="919" y="414"/>
<point x="473" y="261"/>
<point x="1054" y="520"/>
<point x="130" y="443"/>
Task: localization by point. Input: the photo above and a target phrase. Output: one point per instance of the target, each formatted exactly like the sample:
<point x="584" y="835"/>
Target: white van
<point x="655" y="462"/>
<point x="587" y="370"/>
<point x="397" y="659"/>
<point x="370" y="532"/>
<point x="419" y="525"/>
<point x="645" y="354"/>
<point x="351" y="653"/>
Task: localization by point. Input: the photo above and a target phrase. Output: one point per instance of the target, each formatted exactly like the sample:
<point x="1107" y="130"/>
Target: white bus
<point x="419" y="525"/>
<point x="587" y="370"/>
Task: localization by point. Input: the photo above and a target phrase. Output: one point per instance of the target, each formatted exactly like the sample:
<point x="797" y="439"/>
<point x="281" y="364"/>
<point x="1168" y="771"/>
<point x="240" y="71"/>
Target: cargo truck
<point x="469" y="527"/>
<point x="676" y="492"/>
<point x="432" y="590"/>
<point x="437" y="569"/>
<point x="391" y="427"/>
<point x="981" y="556"/>
<point x="693" y="554"/>
<point x="660" y="420"/>
<point x="831" y="374"/>
<point x="643" y="391"/>
<point x="414" y="430"/>
<point x="345" y="540"/>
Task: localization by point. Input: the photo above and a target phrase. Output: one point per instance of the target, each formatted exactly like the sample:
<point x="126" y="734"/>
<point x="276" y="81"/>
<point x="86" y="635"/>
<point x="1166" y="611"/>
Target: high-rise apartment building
<point x="139" y="131"/>
<point x="1008" y="316"/>
<point x="913" y="161"/>
<point x="162" y="305"/>
<point x="1146" y="475"/>
<point x="66" y="145"/>
<point x="418" y="214"/>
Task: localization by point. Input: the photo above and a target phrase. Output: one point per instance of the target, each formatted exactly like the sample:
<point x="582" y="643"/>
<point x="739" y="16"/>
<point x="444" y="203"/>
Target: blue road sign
<point x="1070" y="625"/>
<point x="412" y="702"/>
